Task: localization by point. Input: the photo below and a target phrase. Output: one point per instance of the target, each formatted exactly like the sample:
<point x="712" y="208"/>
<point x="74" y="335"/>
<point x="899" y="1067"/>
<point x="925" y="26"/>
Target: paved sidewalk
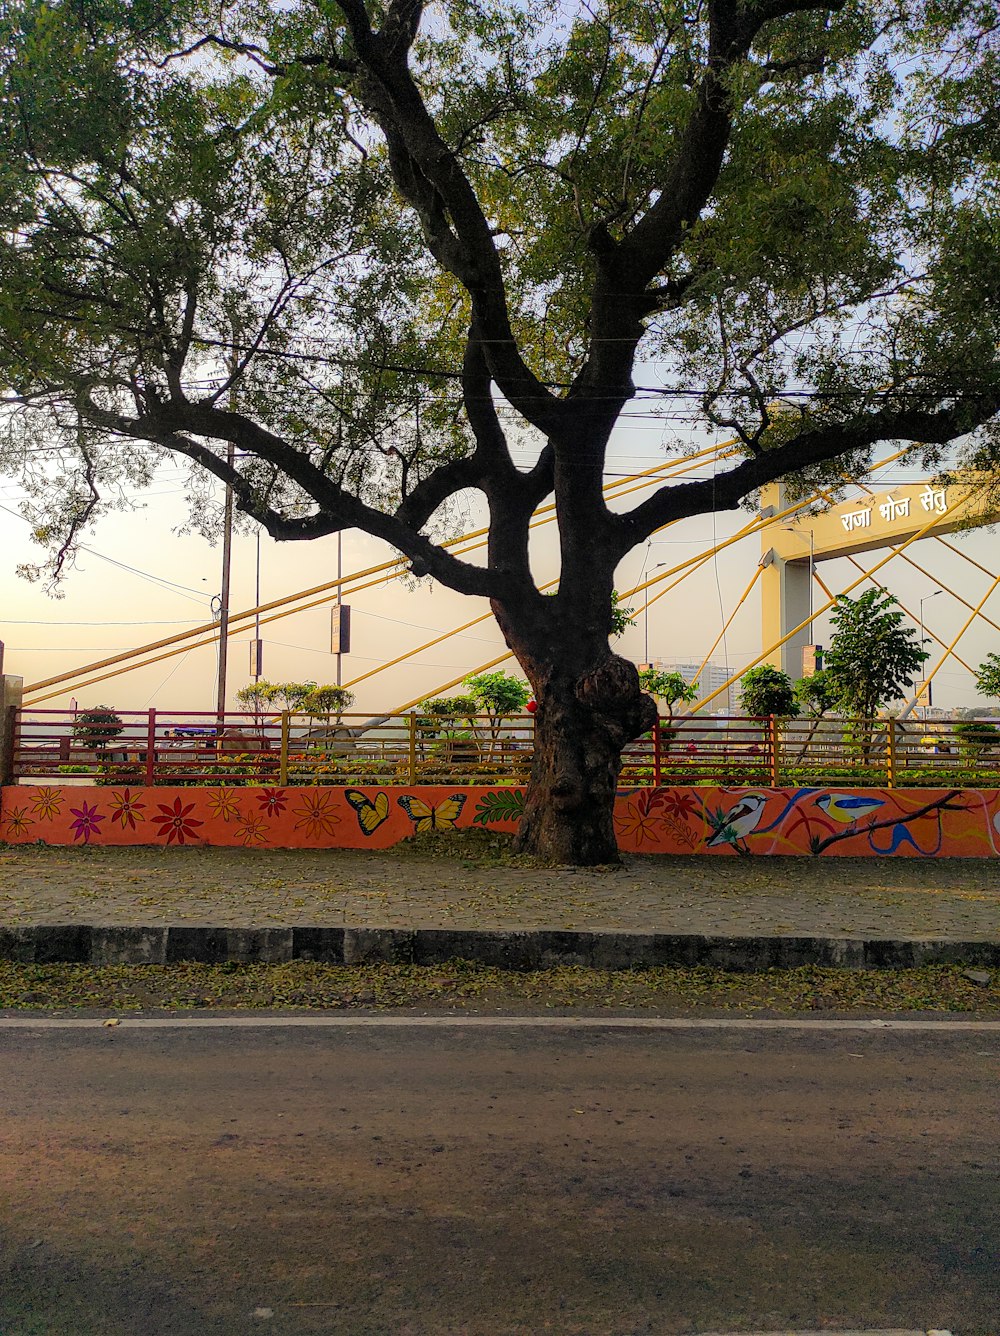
<point x="858" y="899"/>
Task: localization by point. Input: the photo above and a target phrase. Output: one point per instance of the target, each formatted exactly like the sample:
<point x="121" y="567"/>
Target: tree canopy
<point x="357" y="258"/>
<point x="767" y="690"/>
<point x="988" y="676"/>
<point x="873" y="659"/>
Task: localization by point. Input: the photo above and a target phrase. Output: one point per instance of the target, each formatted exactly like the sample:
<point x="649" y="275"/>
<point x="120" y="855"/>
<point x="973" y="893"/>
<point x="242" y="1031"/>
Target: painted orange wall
<point x="908" y="823"/>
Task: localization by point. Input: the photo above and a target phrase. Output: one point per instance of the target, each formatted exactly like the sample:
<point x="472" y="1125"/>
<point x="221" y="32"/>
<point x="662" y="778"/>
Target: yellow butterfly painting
<point x="425" y="817"/>
<point x="371" y="813"/>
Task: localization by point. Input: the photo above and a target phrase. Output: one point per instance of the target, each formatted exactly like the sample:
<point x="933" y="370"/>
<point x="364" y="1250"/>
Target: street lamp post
<point x="925" y="599"/>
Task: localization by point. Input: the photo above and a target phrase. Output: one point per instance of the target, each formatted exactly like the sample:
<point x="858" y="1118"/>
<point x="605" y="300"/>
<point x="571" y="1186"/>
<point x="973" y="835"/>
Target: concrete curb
<point x="514" y="950"/>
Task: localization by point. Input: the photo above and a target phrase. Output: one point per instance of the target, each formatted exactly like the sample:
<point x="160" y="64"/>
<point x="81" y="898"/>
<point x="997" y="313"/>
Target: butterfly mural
<point x="371" y="812"/>
<point x="425" y="817"/>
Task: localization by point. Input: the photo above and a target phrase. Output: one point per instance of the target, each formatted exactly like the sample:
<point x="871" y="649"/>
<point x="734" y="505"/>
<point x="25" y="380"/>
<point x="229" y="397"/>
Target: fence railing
<point x="161" y="747"/>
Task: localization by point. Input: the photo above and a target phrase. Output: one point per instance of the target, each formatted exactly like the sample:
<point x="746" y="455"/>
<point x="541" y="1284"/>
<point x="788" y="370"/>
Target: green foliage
<point x="96" y="727"/>
<point x="816" y="694"/>
<point x="975" y="736"/>
<point x="766" y="690"/>
<point x="670" y="688"/>
<point x="439" y="717"/>
<point x="498" y="693"/>
<point x="450" y="706"/>
<point x="621" y="617"/>
<point x="255" y="697"/>
<point x="321" y="702"/>
<point x="292" y="696"/>
<point x="873" y="658"/>
<point x="326" y="702"/>
<point x="988" y="676"/>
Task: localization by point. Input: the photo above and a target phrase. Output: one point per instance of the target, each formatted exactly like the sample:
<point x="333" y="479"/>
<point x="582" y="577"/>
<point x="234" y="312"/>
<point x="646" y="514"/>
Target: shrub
<point x="96" y="727"/>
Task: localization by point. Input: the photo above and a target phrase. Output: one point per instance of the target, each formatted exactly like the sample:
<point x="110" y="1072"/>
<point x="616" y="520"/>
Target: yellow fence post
<point x="890" y="753"/>
<point x="412" y="749"/>
<point x="283" y="762"/>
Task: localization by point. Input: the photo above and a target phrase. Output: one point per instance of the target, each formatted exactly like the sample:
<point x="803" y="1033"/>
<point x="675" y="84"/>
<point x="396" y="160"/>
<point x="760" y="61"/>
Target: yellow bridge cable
<point x="688" y="567"/>
<point x="950" y="651"/>
<point x="923" y="571"/>
<point x="758" y="572"/>
<point x="683" y="569"/>
<point x="920" y="533"/>
<point x="910" y="561"/>
<point x="394" y="567"/>
<point x="854" y="562"/>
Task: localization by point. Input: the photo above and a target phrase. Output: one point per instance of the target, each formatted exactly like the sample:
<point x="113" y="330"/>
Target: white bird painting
<point x="739" y="821"/>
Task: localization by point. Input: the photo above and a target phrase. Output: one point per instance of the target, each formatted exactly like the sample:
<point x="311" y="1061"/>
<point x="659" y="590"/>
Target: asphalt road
<point x="360" y="1179"/>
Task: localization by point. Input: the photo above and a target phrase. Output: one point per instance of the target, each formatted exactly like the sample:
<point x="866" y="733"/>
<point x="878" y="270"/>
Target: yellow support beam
<point x="920" y="533"/>
<point x="395" y="568"/>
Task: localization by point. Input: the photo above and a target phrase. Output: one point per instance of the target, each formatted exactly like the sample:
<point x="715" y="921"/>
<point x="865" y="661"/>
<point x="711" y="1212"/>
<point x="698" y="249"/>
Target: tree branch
<point x="431" y="179"/>
<point x="172" y="427"/>
<point x="809" y="448"/>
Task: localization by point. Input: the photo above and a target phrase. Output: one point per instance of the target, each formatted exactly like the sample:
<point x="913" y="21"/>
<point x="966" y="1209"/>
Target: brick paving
<point x="947" y="899"/>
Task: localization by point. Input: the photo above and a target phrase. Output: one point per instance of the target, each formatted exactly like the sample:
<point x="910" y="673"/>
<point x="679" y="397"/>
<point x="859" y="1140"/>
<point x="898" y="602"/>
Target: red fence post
<point x="657" y="768"/>
<point x="150" y="748"/>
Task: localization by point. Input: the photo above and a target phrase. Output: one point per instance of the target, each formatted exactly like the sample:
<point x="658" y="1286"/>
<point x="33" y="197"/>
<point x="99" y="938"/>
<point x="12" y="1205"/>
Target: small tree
<point x="498" y="694"/>
<point x="292" y="696"/>
<point x="975" y="737"/>
<point x="816" y="694"/>
<point x="255" y="696"/>
<point x="988" y="676"/>
<point x="96" y="727"/>
<point x="439" y="719"/>
<point x="767" y="690"/>
<point x="670" y="688"/>
<point x="324" y="702"/>
<point x="873" y="659"/>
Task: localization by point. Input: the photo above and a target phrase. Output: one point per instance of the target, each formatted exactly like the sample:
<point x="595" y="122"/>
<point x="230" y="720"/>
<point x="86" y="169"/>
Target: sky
<point x="139" y="580"/>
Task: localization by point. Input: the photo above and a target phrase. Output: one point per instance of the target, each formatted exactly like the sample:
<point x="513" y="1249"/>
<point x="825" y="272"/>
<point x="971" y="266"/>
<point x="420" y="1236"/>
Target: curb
<point x="513" y="950"/>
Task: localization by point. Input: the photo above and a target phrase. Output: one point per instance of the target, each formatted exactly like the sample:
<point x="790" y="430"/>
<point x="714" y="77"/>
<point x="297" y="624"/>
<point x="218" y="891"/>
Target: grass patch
<point x="461" y="985"/>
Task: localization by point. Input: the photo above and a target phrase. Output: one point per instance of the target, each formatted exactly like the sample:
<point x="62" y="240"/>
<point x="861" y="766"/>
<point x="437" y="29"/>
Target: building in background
<point x="711" y="677"/>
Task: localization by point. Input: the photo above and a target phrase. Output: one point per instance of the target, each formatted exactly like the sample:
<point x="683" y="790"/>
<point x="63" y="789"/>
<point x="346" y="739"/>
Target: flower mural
<point x="87" y="823"/>
<point x="272" y="801"/>
<point x="704" y="821"/>
<point x="637" y="819"/>
<point x="127" y="808"/>
<point x="316" y="815"/>
<point x="252" y="829"/>
<point x="177" y="823"/>
<point x="222" y="803"/>
<point x="17" y="822"/>
<point x="47" y="803"/>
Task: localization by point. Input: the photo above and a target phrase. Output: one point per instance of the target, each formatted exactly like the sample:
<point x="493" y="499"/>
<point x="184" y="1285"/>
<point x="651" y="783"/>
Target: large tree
<point x="341" y="253"/>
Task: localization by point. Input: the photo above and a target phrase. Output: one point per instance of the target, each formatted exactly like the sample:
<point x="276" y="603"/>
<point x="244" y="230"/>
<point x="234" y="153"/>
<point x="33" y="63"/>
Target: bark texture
<point x="582" y="724"/>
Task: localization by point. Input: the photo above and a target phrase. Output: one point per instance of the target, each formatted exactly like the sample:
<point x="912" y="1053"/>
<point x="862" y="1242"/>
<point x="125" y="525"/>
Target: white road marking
<point x="382" y="1021"/>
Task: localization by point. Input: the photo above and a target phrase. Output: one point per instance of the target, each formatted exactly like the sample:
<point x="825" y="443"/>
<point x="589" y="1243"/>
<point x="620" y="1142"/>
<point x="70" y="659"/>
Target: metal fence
<point x="160" y="747"/>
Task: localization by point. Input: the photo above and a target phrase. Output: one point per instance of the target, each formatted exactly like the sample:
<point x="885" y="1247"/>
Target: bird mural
<point x="848" y="807"/>
<point x="739" y="821"/>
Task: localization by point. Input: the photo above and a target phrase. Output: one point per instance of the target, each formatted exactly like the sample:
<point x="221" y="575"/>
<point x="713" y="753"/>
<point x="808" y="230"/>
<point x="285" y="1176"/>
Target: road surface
<point x="482" y="1180"/>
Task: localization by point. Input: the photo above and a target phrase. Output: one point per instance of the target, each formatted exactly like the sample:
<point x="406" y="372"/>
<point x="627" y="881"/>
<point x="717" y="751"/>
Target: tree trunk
<point x="582" y="723"/>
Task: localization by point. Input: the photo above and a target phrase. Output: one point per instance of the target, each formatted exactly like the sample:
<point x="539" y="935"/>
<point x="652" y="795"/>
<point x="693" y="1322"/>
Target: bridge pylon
<point x="791" y="548"/>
